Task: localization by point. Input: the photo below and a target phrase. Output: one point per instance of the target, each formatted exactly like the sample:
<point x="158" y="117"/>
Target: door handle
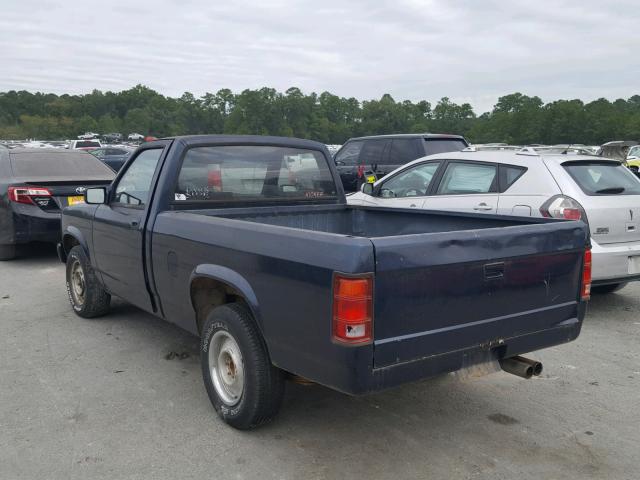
<point x="413" y="205"/>
<point x="483" y="207"/>
<point x="134" y="224"/>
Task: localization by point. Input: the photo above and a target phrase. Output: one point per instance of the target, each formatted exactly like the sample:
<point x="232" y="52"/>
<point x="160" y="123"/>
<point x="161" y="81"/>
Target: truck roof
<point x="248" y="140"/>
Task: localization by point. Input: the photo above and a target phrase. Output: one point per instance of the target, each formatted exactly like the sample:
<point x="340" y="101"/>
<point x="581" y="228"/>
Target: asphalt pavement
<point x="121" y="397"/>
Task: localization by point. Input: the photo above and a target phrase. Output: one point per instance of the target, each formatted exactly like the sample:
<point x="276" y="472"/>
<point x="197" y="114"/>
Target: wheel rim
<point x="226" y="367"/>
<point x="78" y="285"/>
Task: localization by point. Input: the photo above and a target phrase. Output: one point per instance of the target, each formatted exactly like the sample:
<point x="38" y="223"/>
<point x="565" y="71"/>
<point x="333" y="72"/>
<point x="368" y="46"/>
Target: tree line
<point x="516" y="118"/>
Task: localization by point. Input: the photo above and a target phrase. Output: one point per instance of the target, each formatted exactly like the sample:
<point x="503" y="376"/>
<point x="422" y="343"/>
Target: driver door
<point x="406" y="189"/>
<point x="118" y="230"/>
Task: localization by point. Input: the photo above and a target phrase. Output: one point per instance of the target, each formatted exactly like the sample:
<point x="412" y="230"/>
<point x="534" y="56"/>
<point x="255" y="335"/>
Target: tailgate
<point x="442" y="292"/>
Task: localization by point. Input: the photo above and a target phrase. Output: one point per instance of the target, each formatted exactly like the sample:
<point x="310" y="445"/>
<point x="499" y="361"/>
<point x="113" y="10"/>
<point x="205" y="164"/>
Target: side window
<point x="468" y="178"/>
<point x="98" y="153"/>
<point x="508" y="175"/>
<point x="372" y="151"/>
<point x="403" y="150"/>
<point x="350" y="153"/>
<point x="413" y="182"/>
<point x="133" y="187"/>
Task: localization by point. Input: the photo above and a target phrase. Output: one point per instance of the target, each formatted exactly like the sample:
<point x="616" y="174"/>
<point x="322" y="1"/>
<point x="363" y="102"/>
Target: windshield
<point x="603" y="178"/>
<point x="254" y="173"/>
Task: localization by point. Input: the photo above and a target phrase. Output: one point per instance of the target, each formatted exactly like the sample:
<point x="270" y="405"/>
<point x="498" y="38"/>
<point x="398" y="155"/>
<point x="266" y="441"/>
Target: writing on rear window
<point x="253" y="173"/>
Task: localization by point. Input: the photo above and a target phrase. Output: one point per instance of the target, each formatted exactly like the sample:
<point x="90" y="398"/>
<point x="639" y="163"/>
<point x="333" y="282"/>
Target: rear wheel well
<point x="208" y="293"/>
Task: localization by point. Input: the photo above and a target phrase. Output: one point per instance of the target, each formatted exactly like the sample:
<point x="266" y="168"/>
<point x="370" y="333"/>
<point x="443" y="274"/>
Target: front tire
<point x="7" y="252"/>
<point x="244" y="387"/>
<point x="87" y="296"/>
<point x="604" y="289"/>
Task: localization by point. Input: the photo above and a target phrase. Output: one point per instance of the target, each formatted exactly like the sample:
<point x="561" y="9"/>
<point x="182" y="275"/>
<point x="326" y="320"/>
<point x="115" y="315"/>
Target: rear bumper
<point x="611" y="262"/>
<point x="30" y="224"/>
<point x="381" y="378"/>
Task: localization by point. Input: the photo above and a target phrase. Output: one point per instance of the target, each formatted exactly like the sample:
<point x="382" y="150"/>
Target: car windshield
<point x="254" y="173"/>
<point x="603" y="178"/>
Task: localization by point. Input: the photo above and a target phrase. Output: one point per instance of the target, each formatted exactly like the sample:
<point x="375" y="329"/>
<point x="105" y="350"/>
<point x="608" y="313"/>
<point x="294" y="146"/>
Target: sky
<point x="469" y="51"/>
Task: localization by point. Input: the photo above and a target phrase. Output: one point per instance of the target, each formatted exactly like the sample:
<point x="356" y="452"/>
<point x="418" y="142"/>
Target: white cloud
<point x="466" y="50"/>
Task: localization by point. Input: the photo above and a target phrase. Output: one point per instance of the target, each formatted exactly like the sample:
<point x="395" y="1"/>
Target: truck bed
<point x="450" y="289"/>
<point x="368" y="222"/>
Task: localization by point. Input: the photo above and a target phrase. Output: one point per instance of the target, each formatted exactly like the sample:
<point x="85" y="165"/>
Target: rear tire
<point x="244" y="387"/>
<point x="603" y="289"/>
<point x="7" y="252"/>
<point x="87" y="296"/>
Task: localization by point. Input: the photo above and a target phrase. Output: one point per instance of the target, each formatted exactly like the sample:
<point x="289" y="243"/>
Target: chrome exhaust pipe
<point x="520" y="366"/>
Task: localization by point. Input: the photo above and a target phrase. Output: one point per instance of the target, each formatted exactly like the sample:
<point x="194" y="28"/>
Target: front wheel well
<point x="68" y="242"/>
<point x="208" y="293"/>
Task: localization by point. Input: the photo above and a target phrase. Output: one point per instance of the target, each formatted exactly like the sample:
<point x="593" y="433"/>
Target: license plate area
<point x="75" y="200"/>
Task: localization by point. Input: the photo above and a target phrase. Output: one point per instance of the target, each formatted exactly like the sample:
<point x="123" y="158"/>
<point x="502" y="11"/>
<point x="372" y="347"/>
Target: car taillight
<point x="564" y="207"/>
<point x="352" y="309"/>
<point x="28" y="195"/>
<point x="214" y="178"/>
<point x="585" y="291"/>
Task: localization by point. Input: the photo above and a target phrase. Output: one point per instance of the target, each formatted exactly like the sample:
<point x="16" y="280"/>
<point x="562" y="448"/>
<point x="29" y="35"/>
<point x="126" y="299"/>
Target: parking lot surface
<point x="122" y="397"/>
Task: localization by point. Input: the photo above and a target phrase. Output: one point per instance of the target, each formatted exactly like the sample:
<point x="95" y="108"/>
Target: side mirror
<point x="95" y="196"/>
<point x="367" y="188"/>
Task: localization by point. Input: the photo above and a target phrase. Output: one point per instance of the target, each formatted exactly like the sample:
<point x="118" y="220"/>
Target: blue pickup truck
<point x="248" y="242"/>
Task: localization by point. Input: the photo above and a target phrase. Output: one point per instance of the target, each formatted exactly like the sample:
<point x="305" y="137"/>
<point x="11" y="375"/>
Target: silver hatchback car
<point x="601" y="192"/>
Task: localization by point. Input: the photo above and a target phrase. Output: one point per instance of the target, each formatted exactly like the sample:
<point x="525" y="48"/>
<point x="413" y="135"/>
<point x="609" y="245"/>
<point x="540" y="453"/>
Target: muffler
<point x="520" y="366"/>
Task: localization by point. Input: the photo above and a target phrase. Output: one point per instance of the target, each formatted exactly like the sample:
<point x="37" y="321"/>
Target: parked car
<point x="599" y="191"/>
<point x="88" y="136"/>
<point x="112" y="137"/>
<point x="378" y="155"/>
<point x="35" y="185"/>
<point x="114" y="157"/>
<point x="633" y="159"/>
<point x="84" y="144"/>
<point x="135" y="136"/>
<point x="249" y="243"/>
<point x="617" y="150"/>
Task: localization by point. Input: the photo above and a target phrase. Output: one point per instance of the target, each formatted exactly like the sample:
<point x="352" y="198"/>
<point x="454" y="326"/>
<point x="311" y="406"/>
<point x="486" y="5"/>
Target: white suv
<point x="599" y="191"/>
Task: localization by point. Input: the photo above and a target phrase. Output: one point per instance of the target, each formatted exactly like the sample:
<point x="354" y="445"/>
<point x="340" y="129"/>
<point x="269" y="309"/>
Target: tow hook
<point x="522" y="367"/>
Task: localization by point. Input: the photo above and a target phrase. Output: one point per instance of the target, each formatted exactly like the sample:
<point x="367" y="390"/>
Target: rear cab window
<point x="255" y="174"/>
<point x="603" y="178"/>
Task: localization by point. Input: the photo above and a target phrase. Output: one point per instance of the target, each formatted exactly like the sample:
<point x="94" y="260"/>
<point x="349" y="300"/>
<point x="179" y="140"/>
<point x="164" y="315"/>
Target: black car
<point x="112" y="156"/>
<point x="381" y="154"/>
<point x="35" y="185"/>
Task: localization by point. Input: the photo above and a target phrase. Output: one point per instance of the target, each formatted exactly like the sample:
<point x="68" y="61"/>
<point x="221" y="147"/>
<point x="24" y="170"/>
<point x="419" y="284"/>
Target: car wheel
<point x="244" y="387"/>
<point x="7" y="252"/>
<point x="87" y="296"/>
<point x="602" y="289"/>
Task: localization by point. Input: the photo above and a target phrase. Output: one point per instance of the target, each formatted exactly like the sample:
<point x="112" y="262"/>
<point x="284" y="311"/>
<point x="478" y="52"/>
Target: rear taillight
<point x="352" y="309"/>
<point x="564" y="207"/>
<point x="29" y="195"/>
<point x="585" y="291"/>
